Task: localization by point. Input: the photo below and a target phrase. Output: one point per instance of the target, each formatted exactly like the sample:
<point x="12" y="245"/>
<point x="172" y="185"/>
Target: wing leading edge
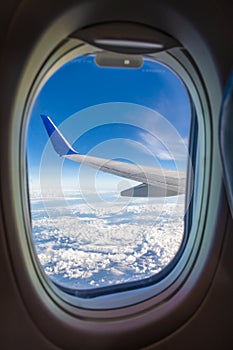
<point x="155" y="182"/>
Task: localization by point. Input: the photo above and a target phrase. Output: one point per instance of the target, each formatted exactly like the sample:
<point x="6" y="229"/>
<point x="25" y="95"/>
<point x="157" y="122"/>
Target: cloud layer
<point x="82" y="247"/>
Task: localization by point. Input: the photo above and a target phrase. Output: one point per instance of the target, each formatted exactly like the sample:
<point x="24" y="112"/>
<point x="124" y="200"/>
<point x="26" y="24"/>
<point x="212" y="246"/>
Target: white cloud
<point x="165" y="143"/>
<point x="157" y="134"/>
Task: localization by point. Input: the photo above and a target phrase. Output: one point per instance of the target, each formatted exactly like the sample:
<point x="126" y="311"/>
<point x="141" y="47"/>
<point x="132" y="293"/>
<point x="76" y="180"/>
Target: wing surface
<point x="170" y="181"/>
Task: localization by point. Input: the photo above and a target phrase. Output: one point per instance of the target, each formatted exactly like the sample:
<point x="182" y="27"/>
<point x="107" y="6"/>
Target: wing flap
<point x="145" y="190"/>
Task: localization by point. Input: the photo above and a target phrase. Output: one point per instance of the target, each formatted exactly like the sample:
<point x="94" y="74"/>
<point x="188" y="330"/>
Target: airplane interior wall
<point x="206" y="29"/>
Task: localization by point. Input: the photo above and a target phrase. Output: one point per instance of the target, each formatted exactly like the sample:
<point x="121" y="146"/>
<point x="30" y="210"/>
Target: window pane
<point x="88" y="228"/>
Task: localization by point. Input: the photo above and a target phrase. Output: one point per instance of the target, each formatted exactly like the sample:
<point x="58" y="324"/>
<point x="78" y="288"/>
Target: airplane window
<point x="107" y="155"/>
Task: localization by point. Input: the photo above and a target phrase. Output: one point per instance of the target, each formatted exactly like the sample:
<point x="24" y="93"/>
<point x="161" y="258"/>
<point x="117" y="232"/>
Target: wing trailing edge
<point x="145" y="190"/>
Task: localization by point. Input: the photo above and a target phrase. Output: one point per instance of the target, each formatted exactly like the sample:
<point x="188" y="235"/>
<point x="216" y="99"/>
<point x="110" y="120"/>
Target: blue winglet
<point x="60" y="144"/>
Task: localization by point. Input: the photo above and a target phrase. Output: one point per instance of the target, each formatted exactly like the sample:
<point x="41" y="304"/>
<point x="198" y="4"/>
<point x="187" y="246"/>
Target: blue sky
<point x="139" y="115"/>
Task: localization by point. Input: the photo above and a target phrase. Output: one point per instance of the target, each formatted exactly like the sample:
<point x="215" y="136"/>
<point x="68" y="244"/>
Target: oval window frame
<point x="71" y="49"/>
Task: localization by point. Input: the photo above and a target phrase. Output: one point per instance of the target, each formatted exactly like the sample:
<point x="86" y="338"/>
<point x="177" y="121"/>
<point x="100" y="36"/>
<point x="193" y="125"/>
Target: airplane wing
<point x="155" y="182"/>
